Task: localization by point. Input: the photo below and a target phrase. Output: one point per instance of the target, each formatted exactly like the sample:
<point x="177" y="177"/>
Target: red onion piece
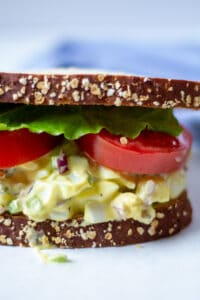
<point x="62" y="163"/>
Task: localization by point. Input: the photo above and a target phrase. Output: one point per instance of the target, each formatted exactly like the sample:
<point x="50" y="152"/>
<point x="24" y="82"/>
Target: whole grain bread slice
<point x="97" y="88"/>
<point x="170" y="218"/>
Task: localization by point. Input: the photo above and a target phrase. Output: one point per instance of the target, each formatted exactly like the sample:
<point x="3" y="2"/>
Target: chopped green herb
<point x="91" y="179"/>
<point x="52" y="258"/>
<point x="58" y="258"/>
<point x="14" y="207"/>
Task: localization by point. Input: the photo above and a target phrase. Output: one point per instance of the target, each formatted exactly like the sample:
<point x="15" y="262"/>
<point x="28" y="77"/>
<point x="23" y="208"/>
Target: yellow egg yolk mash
<point x="99" y="194"/>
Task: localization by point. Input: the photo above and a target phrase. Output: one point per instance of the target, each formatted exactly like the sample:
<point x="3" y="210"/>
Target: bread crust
<point x="98" y="89"/>
<point x="170" y="219"/>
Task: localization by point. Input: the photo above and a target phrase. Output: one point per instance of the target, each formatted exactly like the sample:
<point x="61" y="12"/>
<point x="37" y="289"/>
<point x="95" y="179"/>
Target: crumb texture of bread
<point x="170" y="219"/>
<point x="90" y="88"/>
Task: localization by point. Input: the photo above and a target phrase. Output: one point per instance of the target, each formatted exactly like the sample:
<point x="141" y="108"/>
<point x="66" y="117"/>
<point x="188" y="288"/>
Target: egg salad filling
<point x="43" y="189"/>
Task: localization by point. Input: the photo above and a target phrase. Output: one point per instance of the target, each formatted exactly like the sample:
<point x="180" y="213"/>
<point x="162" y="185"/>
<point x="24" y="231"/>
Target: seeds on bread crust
<point x="170" y="219"/>
<point x="98" y="89"/>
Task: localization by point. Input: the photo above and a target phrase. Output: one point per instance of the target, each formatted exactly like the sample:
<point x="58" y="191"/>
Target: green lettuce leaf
<point x="76" y="121"/>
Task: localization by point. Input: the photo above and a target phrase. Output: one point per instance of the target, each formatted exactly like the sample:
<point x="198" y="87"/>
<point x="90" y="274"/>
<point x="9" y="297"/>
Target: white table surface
<point x="165" y="269"/>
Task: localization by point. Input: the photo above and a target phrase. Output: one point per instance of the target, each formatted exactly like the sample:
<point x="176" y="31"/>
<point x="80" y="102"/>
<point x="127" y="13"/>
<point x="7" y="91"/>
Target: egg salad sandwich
<point x="92" y="159"/>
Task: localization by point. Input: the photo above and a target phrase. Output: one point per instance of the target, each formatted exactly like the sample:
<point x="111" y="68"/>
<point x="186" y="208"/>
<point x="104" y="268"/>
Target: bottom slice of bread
<point x="170" y="219"/>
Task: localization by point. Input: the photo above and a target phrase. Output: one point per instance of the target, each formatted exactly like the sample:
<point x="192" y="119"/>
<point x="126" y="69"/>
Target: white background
<point x="105" y="16"/>
<point x="166" y="269"/>
<point x="28" y="26"/>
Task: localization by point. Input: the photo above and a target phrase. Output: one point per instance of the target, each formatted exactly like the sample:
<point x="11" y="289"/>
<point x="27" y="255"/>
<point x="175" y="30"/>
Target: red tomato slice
<point x="150" y="153"/>
<point x="20" y="146"/>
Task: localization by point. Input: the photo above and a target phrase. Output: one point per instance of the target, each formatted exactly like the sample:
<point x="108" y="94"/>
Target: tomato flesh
<point x="20" y="146"/>
<point x="150" y="153"/>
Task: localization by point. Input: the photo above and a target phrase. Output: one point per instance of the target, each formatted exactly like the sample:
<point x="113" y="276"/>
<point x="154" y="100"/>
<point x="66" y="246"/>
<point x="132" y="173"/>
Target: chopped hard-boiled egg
<point x="152" y="190"/>
<point x="99" y="194"/>
<point x="127" y="205"/>
<point x="177" y="183"/>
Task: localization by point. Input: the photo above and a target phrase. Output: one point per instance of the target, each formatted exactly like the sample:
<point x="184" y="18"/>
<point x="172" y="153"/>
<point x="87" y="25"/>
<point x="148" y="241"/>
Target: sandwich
<point x="92" y="159"/>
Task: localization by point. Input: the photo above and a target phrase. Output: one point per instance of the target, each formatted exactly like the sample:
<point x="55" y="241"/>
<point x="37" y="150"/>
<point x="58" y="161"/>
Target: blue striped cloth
<point x="172" y="60"/>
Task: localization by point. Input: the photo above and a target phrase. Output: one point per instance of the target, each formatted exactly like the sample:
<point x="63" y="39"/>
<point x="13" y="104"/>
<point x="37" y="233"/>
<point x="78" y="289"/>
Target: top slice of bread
<point x="97" y="88"/>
